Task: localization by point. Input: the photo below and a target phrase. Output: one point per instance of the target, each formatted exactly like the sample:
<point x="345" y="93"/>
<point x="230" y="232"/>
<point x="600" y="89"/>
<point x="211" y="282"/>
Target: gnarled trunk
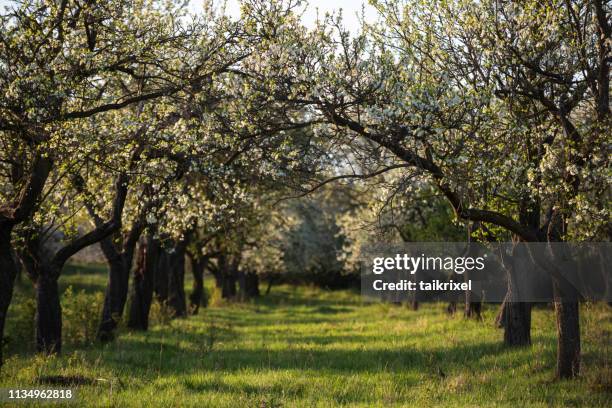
<point x="8" y="272"/>
<point x="515" y="318"/>
<point x="44" y="273"/>
<point x="120" y="265"/>
<point x="567" y="311"/>
<point x="48" y="312"/>
<point x="115" y="297"/>
<point x="143" y="283"/>
<point x="19" y="211"/>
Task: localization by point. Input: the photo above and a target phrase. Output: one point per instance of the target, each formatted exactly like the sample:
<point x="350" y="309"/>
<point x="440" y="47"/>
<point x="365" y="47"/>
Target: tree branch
<point x="30" y="193"/>
<point x="413" y="159"/>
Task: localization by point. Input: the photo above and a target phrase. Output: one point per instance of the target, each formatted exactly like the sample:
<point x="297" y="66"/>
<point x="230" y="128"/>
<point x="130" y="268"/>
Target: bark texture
<point x="48" y="314"/>
<point x="142" y="284"/>
<point x="119" y="253"/>
<point x="568" y="336"/>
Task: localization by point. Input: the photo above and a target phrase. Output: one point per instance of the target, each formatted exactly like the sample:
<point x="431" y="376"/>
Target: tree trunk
<point x="20" y="210"/>
<point x="8" y="272"/>
<point x="226" y="277"/>
<point x="515" y="318"/>
<point x="48" y="313"/>
<point x="197" y="298"/>
<point x="252" y="284"/>
<point x="161" y="274"/>
<point x="414" y="305"/>
<point x="115" y="297"/>
<point x="242" y="287"/>
<point x="217" y="274"/>
<point x="228" y="291"/>
<point x="473" y="302"/>
<point x="143" y="282"/>
<point x="568" y="337"/>
<point x="120" y="259"/>
<point x="218" y="279"/>
<point x="248" y="282"/>
<point x="472" y="308"/>
<point x="176" y="280"/>
<point x="567" y="310"/>
<point x="271" y="280"/>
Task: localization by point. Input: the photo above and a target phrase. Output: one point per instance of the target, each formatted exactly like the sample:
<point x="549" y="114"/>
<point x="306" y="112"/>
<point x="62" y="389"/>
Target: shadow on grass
<point x="240" y="320"/>
<point x="290" y="296"/>
<point x="192" y="355"/>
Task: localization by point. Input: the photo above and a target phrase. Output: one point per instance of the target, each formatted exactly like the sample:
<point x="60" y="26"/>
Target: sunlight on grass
<point x="306" y="347"/>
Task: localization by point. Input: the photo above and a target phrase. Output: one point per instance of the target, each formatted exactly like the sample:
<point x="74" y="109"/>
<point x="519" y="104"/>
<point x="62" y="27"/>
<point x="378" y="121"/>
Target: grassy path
<point x="305" y="347"/>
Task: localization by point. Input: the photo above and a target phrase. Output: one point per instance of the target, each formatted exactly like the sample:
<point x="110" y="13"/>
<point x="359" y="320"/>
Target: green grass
<point x="307" y="347"/>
